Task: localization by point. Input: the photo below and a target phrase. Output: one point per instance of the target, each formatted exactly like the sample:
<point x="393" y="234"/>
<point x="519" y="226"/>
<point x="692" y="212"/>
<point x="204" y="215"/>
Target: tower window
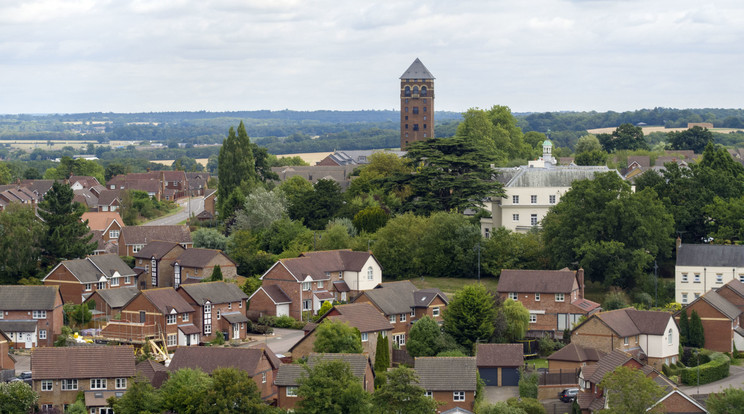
<point x="406" y="110"/>
<point x="406" y="117"/>
<point x="415" y="127"/>
<point x="406" y="126"/>
<point x="423" y="91"/>
<point x="415" y="90"/>
<point x="406" y="137"/>
<point x="424" y="134"/>
<point x="424" y="109"/>
<point x="407" y="91"/>
<point x="424" y="126"/>
<point x="424" y="118"/>
<point x="415" y="110"/>
<point x="406" y="101"/>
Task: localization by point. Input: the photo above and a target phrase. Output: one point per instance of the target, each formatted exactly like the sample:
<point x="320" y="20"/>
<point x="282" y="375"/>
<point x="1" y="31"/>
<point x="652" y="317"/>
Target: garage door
<point x="282" y="310"/>
<point x="509" y="377"/>
<point x="490" y="376"/>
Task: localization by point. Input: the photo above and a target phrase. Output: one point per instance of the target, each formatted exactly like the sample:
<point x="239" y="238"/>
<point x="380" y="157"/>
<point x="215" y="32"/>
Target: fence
<point x="401" y="356"/>
<point x="560" y="377"/>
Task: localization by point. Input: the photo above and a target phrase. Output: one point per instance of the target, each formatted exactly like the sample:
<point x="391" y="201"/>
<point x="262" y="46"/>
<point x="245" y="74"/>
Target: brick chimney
<point x="580" y="276"/>
<point x="678" y="243"/>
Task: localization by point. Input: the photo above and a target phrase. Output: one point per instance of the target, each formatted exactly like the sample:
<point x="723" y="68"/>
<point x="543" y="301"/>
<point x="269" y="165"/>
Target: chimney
<point x="580" y="276"/>
<point x="678" y="244"/>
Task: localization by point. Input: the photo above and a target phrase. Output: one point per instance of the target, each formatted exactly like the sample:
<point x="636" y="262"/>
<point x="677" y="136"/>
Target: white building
<point x="702" y="267"/>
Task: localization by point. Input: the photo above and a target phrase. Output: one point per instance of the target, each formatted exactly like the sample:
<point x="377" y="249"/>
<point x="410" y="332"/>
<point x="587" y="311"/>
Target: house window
<point x="533" y="318"/>
<point x="402" y="317"/>
<point x="98" y="384"/>
<point x="114" y="234"/>
<point x="365" y="337"/>
<point x="719" y="277"/>
<point x="458" y="396"/>
<point x="101" y="285"/>
<point x="697" y="295"/>
<point x="370" y="273"/>
<point x="487" y="233"/>
<point x="263" y="378"/>
<point x="128" y="280"/>
<point x="513" y="296"/>
<point x="533" y="219"/>
<point x="306" y="286"/>
<point x="399" y="339"/>
<point x="319" y="284"/>
<point x="207" y="318"/>
<point x="559" y="297"/>
<point x="218" y="315"/>
<point x="741" y="277"/>
<point x="229" y="306"/>
<point x="47" y="385"/>
<point x="114" y="281"/>
<point x="684" y="298"/>
<point x="185" y="317"/>
<point x="88" y="287"/>
<point x="69" y="384"/>
<point x="172" y="340"/>
<point x="415" y="127"/>
<point x="537" y="297"/>
<point x="515" y="217"/>
<point x="697" y="278"/>
<point x="42" y="334"/>
<point x="307" y="304"/>
<point x="415" y="110"/>
<point x="240" y="304"/>
<point x="533" y="199"/>
<point x="2" y="314"/>
<point x="429" y="394"/>
<point x="39" y="314"/>
<point x="670" y="338"/>
<point x="121" y="383"/>
<point x="341" y="275"/>
<point x="154" y="272"/>
<point x="515" y="199"/>
<point x="177" y="275"/>
<point x="626" y="340"/>
<point x="551" y="199"/>
<point x="684" y="277"/>
<point x="435" y="311"/>
<point x="137" y="247"/>
<point x="291" y="391"/>
<point x="391" y="318"/>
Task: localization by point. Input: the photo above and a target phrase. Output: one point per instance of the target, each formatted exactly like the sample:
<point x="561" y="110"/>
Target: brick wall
<point x="676" y="403"/>
<point x="446" y="398"/>
<point x="716" y="327"/>
<point x="547" y="303"/>
<point x="261" y="302"/>
<point x="69" y="286"/>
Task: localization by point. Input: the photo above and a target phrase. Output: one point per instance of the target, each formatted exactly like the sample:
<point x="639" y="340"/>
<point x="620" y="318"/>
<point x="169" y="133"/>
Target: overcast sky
<point x="531" y="55"/>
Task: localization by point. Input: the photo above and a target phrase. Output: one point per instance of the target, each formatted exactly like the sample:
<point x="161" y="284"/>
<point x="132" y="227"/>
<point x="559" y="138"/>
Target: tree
<point x="591" y="158"/>
<point x="114" y="169"/>
<point x="140" y="397"/>
<point x="337" y="338"/>
<point x="66" y="235"/>
<point x="260" y="210"/>
<point x="528" y="383"/>
<point x="452" y="174"/>
<point x="611" y="231"/>
<point x="382" y="357"/>
<point x="401" y="394"/>
<point x="186" y="164"/>
<point x="336" y="236"/>
<point x="5" y="175"/>
<point x="68" y="166"/>
<point x="232" y="391"/>
<point x="449" y="244"/>
<point x="495" y="133"/>
<point x="424" y="338"/>
<point x="216" y="274"/>
<point x="697" y="336"/>
<point x="79" y="315"/>
<point x="397" y="246"/>
<point x="684" y="328"/>
<point x="184" y="392"/>
<point x="500" y="407"/>
<point x="695" y="138"/>
<point x="17" y="397"/>
<point x="729" y="401"/>
<point x="316" y="208"/>
<point x="511" y="250"/>
<point x="331" y="388"/>
<point x="370" y="219"/>
<point x="517" y="319"/>
<point x="21" y="235"/>
<point x="625" y="137"/>
<point x="284" y="234"/>
<point x="236" y="168"/>
<point x="294" y="189"/>
<point x="587" y="143"/>
<point x="381" y="165"/>
<point x="629" y="391"/>
<point x="205" y="238"/>
<point x="469" y="316"/>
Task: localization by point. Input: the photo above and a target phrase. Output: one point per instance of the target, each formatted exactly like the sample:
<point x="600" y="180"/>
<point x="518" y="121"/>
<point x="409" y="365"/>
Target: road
<point x="197" y="205"/>
<point x="735" y="379"/>
<point x="281" y="341"/>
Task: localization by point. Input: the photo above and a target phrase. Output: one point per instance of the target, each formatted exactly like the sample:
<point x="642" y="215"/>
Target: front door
<point x="236" y="330"/>
<point x="27" y="338"/>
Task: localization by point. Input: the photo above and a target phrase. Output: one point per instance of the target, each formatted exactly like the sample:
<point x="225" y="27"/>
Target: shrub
<point x="717" y="368"/>
<point x="262" y="329"/>
<point x="527" y="384"/>
<point x="286" y="322"/>
<point x="528" y="405"/>
<point x="615" y="299"/>
<point x="547" y="345"/>
<point x="665" y="369"/>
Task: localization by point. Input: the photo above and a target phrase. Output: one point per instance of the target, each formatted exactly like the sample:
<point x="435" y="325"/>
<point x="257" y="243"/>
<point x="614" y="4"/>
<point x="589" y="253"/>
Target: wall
<point x="707" y="280"/>
<point x="717" y="328"/>
<point x="525" y="208"/>
<point x="446" y="398"/>
<point x="261" y="302"/>
<point x="280" y="275"/>
<point x="658" y="346"/>
<point x="69" y="286"/>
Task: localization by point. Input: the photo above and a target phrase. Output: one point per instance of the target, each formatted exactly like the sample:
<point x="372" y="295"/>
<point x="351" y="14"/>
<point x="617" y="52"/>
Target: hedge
<point x="716" y="369"/>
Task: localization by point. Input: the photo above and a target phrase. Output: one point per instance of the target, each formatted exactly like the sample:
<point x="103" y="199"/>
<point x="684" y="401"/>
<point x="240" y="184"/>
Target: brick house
<point x="155" y="372"/>
<point x="363" y="316"/>
<point x="450" y="380"/>
<point x="498" y="364"/>
<point x="195" y="265"/>
<point x="100" y="372"/>
<point x="219" y="307"/>
<point x="108" y="223"/>
<point x="209" y="201"/>
<point x="288" y="375"/>
<point x="313" y="278"/>
<point x="135" y="238"/>
<point x="109" y="200"/>
<point x="7" y="362"/>
<point x="157" y="314"/>
<point x="155" y="263"/>
<point x="403" y="304"/>
<point x="573" y="356"/>
<point x="109" y="302"/>
<point x="79" y="278"/>
<point x="260" y="363"/>
<point x="720" y="313"/>
<point x="555" y="298"/>
<point x="197" y="183"/>
<point x="31" y="316"/>
<point x="651" y="336"/>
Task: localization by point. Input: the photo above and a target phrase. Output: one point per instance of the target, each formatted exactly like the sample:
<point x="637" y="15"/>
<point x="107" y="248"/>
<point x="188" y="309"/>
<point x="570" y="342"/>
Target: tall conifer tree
<point x="66" y="235"/>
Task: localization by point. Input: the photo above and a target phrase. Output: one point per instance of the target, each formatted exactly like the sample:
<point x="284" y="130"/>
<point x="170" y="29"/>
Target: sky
<point x="68" y="56"/>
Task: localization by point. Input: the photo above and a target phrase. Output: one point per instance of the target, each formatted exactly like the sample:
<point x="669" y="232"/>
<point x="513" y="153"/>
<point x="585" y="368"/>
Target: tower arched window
<point x="423" y="91"/>
<point x="415" y="90"/>
<point x="407" y="91"/>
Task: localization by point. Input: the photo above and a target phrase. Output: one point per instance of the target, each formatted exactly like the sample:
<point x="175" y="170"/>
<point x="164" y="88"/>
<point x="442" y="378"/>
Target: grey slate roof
<point x="559" y="176"/>
<point x="27" y="297"/>
<point x="289" y="374"/>
<point x="156" y="249"/>
<point x="536" y="281"/>
<point x="18" y="326"/>
<point x="417" y="70"/>
<point x="576" y="353"/>
<point x="110" y="263"/>
<point x="235" y="317"/>
<point x="720" y="303"/>
<point x="215" y="292"/>
<point x="630" y="322"/>
<point x="608" y="363"/>
<point x="399" y="297"/>
<point x="446" y="373"/>
<point x="117" y="297"/>
<point x="710" y="255"/>
<point x="90" y="269"/>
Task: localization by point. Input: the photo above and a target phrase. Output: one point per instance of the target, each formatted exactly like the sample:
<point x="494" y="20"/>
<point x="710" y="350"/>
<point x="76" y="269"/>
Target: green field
<point x="450" y="285"/>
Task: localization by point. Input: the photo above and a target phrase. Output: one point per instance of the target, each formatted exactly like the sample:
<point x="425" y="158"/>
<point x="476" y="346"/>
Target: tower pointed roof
<point x="417" y="70"/>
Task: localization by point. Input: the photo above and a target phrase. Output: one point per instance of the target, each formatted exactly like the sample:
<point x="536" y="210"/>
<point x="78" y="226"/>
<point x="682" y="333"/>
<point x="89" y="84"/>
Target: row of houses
<point x="162" y="185"/>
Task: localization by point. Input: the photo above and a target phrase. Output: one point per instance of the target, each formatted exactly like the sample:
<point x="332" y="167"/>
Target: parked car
<point x="24" y="376"/>
<point x="568" y="395"/>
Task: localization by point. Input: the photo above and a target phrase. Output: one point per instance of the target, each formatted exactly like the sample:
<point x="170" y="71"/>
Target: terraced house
<point x="79" y="278"/>
<point x="31" y="316"/>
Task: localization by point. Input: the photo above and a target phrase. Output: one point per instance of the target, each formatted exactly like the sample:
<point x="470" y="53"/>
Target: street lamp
<point x="656" y="285"/>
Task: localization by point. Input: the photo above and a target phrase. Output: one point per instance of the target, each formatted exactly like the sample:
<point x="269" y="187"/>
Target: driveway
<point x="197" y="206"/>
<point x="735" y="379"/>
<point x="496" y="394"/>
<point x="280" y="341"/>
<point x="23" y="363"/>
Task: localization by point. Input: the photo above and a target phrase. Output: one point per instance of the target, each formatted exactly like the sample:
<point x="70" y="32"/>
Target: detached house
<point x="135" y="238"/>
<point x="403" y="304"/>
<point x="100" y="372"/>
<point x="450" y="380"/>
<point x="302" y="284"/>
<point x="195" y="265"/>
<point x="651" y="336"/>
<point x="702" y="267"/>
<point x="79" y="278"/>
<point x="155" y="263"/>
<point x="108" y="223"/>
<point x="31" y="316"/>
<point x="555" y="298"/>
<point x="219" y="307"/>
<point x="109" y="302"/>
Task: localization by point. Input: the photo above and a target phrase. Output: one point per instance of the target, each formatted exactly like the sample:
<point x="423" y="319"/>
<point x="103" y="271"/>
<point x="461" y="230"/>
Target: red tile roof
<point x="82" y="362"/>
<point x="362" y="316"/>
<point x="536" y="281"/>
<point x="499" y="355"/>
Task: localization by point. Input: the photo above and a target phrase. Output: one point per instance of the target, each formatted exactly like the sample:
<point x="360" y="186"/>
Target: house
<point x="720" y="313"/>
<point x="7" y="362"/>
<point x="108" y="223"/>
<point x="353" y="158"/>
<point x="313" y="278"/>
<point x="78" y="278"/>
<point x="338" y="173"/>
<point x="14" y="193"/>
<point x="288" y="375"/>
<point x="260" y="363"/>
<point x="702" y="267"/>
<point x="210" y="197"/>
<point x="403" y="304"/>
<point x="195" y="265"/>
<point x="498" y="364"/>
<point x="651" y="336"/>
<point x="363" y="316"/>
<point x="219" y="307"/>
<point x="155" y="314"/>
<point x="154" y="372"/>
<point x="109" y="200"/>
<point x="155" y="263"/>
<point x="555" y="298"/>
<point x="450" y="380"/>
<point x="110" y="302"/>
<point x="197" y="183"/>
<point x="31" y="316"/>
<point x="86" y="197"/>
<point x="79" y="182"/>
<point x="530" y="192"/>
<point x="573" y="356"/>
<point x="100" y="372"/>
<point x="135" y="238"/>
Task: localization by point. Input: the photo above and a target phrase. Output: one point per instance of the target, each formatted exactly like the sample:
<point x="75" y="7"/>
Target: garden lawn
<point x="450" y="285"/>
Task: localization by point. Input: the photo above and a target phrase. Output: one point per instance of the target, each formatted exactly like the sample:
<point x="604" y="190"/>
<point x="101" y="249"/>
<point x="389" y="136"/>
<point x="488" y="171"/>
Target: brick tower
<point x="416" y="104"/>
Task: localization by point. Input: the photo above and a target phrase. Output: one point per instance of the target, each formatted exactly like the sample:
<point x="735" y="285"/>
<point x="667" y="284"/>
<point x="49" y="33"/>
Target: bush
<point x="262" y="329"/>
<point x="717" y="368"/>
<point x="527" y="384"/>
<point x="547" y="345"/>
<point x="615" y="299"/>
<point x="284" y="321"/>
<point x="665" y="370"/>
<point x="529" y="405"/>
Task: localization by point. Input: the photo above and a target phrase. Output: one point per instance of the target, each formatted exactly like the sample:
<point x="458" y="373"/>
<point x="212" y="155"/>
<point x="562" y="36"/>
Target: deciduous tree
<point x="232" y="391"/>
<point x="184" y="392"/>
<point x="261" y="208"/>
<point x="331" y="388"/>
<point x="236" y="169"/>
<point x="21" y="234"/>
<point x="140" y="398"/>
<point x="517" y="319"/>
<point x="336" y="338"/>
<point x="695" y="138"/>
<point x="629" y="391"/>
<point x="401" y="394"/>
<point x="469" y="316"/>
<point x="730" y="400"/>
<point x="206" y="238"/>
<point x="17" y="397"/>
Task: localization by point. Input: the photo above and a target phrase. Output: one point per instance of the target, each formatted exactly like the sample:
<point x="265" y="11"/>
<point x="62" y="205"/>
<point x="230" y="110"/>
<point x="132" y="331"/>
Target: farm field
<point x="649" y="129"/>
<point x="30" y="145"/>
